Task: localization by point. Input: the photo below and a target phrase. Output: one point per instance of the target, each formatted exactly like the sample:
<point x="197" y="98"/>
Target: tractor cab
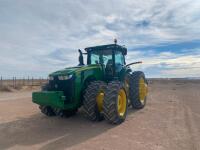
<point x="111" y="57"/>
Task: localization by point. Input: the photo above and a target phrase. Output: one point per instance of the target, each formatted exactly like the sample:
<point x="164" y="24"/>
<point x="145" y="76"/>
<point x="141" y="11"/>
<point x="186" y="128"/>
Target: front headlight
<point x="66" y="77"/>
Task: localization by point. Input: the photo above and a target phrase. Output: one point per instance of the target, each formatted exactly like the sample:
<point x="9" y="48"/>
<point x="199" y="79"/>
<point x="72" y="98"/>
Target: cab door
<point x="119" y="63"/>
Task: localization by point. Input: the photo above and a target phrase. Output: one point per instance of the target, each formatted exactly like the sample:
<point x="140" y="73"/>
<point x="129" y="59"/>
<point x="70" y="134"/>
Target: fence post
<point x="1" y="82"/>
<point x="40" y="81"/>
<point x="32" y="82"/>
<point x="13" y="82"/>
<point x="23" y="81"/>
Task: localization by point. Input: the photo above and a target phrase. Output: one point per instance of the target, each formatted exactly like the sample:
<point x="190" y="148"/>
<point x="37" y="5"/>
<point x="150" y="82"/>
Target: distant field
<point x="10" y="85"/>
<point x="20" y="84"/>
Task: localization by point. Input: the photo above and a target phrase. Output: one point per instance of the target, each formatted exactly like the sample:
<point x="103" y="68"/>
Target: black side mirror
<point x="81" y="62"/>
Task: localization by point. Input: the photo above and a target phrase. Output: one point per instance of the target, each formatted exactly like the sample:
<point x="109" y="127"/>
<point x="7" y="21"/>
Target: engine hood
<point x="71" y="70"/>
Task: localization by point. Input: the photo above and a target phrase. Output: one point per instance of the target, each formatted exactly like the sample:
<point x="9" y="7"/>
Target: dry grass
<point x="21" y="85"/>
<point x="8" y="88"/>
<point x="4" y="88"/>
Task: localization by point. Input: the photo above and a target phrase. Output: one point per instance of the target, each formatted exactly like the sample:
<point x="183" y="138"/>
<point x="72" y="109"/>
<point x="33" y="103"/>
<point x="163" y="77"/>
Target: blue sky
<point x="41" y="36"/>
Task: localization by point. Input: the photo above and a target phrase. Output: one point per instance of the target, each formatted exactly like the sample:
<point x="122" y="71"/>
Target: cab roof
<point x="108" y="47"/>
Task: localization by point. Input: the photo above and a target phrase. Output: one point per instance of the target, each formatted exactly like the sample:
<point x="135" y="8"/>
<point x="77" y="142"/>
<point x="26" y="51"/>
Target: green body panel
<point x="123" y="73"/>
<point x="82" y="76"/>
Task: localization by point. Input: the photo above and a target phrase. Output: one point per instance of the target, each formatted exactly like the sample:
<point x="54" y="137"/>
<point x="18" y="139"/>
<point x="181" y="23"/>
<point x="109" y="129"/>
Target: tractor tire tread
<point x="134" y="89"/>
<point x="89" y="100"/>
<point x="109" y="106"/>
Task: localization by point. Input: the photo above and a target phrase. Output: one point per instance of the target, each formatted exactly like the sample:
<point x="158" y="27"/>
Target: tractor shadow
<point x="50" y="132"/>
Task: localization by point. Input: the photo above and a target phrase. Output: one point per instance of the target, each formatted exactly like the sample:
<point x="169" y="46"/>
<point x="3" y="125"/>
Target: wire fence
<point x="16" y="82"/>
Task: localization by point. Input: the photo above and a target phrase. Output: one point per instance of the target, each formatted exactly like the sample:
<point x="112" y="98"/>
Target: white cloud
<point x="31" y="30"/>
<point x="168" y="64"/>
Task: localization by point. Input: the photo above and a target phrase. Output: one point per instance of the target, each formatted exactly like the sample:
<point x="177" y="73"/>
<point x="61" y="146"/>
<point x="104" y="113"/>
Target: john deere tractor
<point x="105" y="86"/>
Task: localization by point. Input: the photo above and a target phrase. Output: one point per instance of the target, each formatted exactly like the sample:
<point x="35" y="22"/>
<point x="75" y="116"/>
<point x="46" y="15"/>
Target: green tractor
<point x="105" y="87"/>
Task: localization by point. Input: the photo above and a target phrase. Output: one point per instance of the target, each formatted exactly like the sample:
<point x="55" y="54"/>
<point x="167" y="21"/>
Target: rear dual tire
<point x="138" y="89"/>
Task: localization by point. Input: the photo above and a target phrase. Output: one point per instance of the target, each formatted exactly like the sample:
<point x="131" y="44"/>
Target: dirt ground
<point x="170" y="121"/>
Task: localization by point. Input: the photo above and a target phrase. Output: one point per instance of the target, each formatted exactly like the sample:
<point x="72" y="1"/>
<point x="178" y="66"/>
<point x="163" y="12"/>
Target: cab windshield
<point x="100" y="57"/>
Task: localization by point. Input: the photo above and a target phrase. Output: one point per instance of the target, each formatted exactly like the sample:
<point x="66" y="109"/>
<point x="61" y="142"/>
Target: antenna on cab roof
<point x="115" y="41"/>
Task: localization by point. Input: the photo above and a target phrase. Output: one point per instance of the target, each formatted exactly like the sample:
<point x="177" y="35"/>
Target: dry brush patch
<point x="8" y="88"/>
<point x="5" y="88"/>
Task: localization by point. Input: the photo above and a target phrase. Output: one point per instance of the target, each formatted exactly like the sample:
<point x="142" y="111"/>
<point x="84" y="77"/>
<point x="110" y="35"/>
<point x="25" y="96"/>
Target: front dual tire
<point x="49" y="111"/>
<point x="115" y="103"/>
<point x="93" y="100"/>
<point x="105" y="101"/>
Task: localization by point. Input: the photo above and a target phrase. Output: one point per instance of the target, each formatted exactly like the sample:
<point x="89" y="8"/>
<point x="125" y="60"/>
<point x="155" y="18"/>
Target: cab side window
<point x="94" y="59"/>
<point x="119" y="58"/>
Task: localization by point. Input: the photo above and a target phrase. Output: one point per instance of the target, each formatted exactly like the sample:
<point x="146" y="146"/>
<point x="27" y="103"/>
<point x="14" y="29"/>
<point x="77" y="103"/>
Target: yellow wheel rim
<point x="99" y="100"/>
<point x="142" y="90"/>
<point x="121" y="104"/>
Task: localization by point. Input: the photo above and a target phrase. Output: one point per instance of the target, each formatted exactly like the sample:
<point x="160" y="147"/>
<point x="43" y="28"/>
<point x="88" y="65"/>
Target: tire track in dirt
<point x="191" y="128"/>
<point x="181" y="129"/>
